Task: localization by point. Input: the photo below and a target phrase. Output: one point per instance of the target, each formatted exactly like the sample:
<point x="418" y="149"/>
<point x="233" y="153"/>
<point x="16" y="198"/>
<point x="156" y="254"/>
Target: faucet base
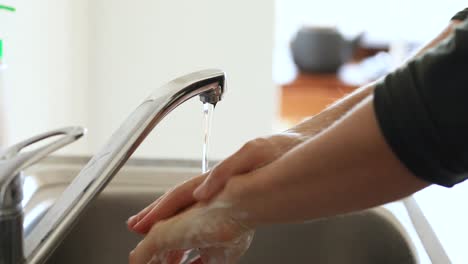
<point x="11" y="230"/>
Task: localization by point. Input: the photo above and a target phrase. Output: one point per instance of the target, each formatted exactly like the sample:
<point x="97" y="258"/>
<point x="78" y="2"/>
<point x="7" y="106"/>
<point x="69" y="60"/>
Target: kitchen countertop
<point x="309" y="94"/>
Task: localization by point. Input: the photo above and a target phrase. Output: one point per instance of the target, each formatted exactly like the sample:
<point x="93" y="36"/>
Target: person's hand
<point x="167" y="205"/>
<point x="253" y="155"/>
<point x="215" y="229"/>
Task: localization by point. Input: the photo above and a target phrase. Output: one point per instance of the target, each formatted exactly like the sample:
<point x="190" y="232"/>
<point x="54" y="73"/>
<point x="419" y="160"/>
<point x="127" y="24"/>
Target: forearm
<point x="348" y="167"/>
<point x="315" y="124"/>
<point x="345" y="168"/>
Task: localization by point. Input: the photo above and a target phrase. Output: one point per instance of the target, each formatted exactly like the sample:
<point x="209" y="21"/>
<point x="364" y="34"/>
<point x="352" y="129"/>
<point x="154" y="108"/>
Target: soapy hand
<point x="226" y="236"/>
<point x="167" y="205"/>
<point x="253" y="155"/>
<point x="215" y="229"/>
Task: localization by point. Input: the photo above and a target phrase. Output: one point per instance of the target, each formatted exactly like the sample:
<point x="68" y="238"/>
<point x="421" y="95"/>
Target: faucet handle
<point x="13" y="160"/>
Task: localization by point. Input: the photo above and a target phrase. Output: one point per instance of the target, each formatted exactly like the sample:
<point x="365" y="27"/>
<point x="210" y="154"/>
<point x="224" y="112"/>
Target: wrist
<point x="252" y="198"/>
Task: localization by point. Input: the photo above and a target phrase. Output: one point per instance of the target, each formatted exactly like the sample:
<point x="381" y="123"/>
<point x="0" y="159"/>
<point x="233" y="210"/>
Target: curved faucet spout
<point x="208" y="84"/>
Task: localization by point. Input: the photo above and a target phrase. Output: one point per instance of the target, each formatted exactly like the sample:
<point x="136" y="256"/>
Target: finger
<point x="155" y="260"/>
<point x="162" y="239"/>
<point x="220" y="255"/>
<point x="249" y="157"/>
<point x="136" y="218"/>
<point x="213" y="255"/>
<point x="132" y="221"/>
<point x="173" y="202"/>
<point x="197" y="261"/>
<point x="145" y="252"/>
<point x="174" y="257"/>
<point x="189" y="256"/>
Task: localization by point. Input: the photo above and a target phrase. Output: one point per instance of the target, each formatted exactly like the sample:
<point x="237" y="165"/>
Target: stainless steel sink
<point x="365" y="237"/>
<point x="100" y="236"/>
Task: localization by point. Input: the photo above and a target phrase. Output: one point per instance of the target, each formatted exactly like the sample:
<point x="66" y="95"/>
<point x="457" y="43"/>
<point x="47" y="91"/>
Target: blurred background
<point x="90" y="63"/>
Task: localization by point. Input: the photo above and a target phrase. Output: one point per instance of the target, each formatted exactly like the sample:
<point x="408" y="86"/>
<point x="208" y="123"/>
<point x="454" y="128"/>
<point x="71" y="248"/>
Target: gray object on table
<point x="321" y="49"/>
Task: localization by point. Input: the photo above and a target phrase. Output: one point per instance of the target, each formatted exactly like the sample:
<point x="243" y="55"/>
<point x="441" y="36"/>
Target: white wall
<point x="92" y="63"/>
<point x="138" y="49"/>
<point x="46" y="81"/>
<point x="383" y="21"/>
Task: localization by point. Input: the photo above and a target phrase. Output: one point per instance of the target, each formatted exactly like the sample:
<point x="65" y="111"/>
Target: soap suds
<point x="201" y="228"/>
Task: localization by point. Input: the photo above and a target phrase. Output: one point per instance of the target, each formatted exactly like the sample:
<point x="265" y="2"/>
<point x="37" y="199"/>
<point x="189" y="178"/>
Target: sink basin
<point x="365" y="237"/>
<point x="100" y="236"/>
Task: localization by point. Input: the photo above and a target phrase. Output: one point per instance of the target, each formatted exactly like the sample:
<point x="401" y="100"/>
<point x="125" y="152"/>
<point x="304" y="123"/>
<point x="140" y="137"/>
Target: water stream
<point x="208" y="112"/>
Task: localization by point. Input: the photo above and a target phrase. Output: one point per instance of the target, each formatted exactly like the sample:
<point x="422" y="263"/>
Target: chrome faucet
<point x="12" y="162"/>
<point x="97" y="173"/>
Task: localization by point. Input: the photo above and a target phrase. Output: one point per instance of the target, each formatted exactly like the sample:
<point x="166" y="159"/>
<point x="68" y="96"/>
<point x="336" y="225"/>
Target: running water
<point x="208" y="112"/>
<point x="192" y="255"/>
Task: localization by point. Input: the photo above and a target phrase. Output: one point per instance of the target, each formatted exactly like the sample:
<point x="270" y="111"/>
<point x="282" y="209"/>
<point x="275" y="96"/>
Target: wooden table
<point x="308" y="94"/>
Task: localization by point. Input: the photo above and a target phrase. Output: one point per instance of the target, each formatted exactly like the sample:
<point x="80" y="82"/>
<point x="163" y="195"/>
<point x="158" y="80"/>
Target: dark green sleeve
<point x="422" y="110"/>
<point x="462" y="15"/>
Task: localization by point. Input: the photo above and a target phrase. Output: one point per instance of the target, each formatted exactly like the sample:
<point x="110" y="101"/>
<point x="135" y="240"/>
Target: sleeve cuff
<point x="403" y="124"/>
